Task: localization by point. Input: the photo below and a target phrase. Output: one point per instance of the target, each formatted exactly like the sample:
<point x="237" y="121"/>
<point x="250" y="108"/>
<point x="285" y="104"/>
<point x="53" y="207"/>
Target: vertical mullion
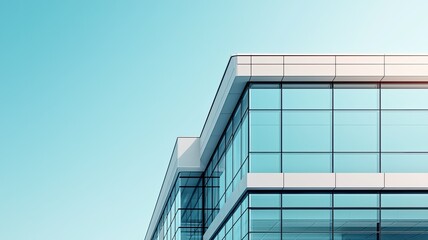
<point x="332" y="127"/>
<point x="380" y="127"/>
<point x="281" y="136"/>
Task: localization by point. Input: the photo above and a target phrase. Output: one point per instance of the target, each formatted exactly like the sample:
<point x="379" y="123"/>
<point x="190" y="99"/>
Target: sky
<point x="94" y="93"/>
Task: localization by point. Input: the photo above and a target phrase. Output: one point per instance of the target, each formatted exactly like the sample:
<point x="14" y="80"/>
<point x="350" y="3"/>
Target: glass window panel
<point x="306" y="162"/>
<point x="307" y="236"/>
<point x="222" y="145"/>
<point x="265" y="220"/>
<point x="405" y="162"/>
<point x="244" y="223"/>
<point x="405" y="220"/>
<point x="306" y="131"/>
<point x="229" y="131"/>
<point x="356" y="162"/>
<point x="405" y="235"/>
<point x="350" y="98"/>
<point x="356" y="200"/>
<point x="356" y="130"/>
<point x="265" y="134"/>
<point x="244" y="103"/>
<point x="404" y="130"/>
<point x="295" y="98"/>
<point x="405" y="200"/>
<point x="265" y="96"/>
<point x="237" y="231"/>
<point x="237" y="152"/>
<point x="356" y="236"/>
<point x="229" y="165"/>
<point x="306" y="220"/>
<point x="265" y="200"/>
<point x="355" y="220"/>
<point x="404" y="98"/>
<point x="220" y="169"/>
<point x="237" y="118"/>
<point x="264" y="236"/>
<point x="244" y="140"/>
<point x="265" y="162"/>
<point x="312" y="200"/>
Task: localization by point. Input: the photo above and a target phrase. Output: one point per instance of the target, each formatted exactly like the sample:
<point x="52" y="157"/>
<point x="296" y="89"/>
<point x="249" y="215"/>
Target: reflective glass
<point x="244" y="103"/>
<point x="404" y="130"/>
<point x="265" y="162"/>
<point x="265" y="134"/>
<point x="358" y="200"/>
<point x="265" y="97"/>
<point x="356" y="131"/>
<point x="306" y="131"/>
<point x="306" y="220"/>
<point x="301" y="98"/>
<point x="265" y="220"/>
<point x="349" y="98"/>
<point x="237" y="152"/>
<point x="311" y="200"/>
<point x="355" y="220"/>
<point x="265" y="200"/>
<point x="264" y="236"/>
<point x="405" y="200"/>
<point x="222" y="175"/>
<point x="306" y="162"/>
<point x="244" y="140"/>
<point x="404" y="220"/>
<point x="405" y="162"/>
<point x="229" y="163"/>
<point x="306" y="236"/>
<point x="404" y="98"/>
<point x="356" y="162"/>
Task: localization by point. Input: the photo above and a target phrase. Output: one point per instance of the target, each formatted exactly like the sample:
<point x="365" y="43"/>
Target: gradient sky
<point x="93" y="94"/>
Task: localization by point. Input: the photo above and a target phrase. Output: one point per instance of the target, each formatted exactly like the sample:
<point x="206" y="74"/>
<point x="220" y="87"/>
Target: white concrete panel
<point x="406" y="70"/>
<point x="422" y="59"/>
<point x="406" y="181"/>
<point x="188" y="153"/>
<point x="267" y="70"/>
<point x="264" y="181"/>
<point x="359" y="70"/>
<point x="356" y="181"/>
<point x="309" y="70"/>
<point x="243" y="70"/>
<point x="377" y="59"/>
<point x="309" y="181"/>
<point x="267" y="60"/>
<point x="308" y="79"/>
<point x="243" y="60"/>
<point x="311" y="60"/>
<point x="358" y="79"/>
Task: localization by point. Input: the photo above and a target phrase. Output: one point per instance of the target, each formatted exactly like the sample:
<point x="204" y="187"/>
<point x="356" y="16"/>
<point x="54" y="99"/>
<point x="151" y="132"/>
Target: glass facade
<point x="328" y="215"/>
<point x="310" y="128"/>
<point x="320" y="128"/>
<point x="183" y="213"/>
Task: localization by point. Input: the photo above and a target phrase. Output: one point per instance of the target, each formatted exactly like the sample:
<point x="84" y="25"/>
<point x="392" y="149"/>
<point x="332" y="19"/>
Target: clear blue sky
<point x="94" y="93"/>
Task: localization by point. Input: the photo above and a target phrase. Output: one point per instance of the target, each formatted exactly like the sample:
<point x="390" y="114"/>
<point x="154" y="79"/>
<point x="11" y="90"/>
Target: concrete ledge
<point x="357" y="181"/>
<point x="269" y="181"/>
<point x="309" y="181"/>
<point x="406" y="181"/>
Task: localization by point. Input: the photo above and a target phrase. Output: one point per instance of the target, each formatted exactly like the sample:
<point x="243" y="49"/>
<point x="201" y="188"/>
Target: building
<point x="304" y="147"/>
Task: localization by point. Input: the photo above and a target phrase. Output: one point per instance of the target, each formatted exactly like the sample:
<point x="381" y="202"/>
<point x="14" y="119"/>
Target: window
<point x="265" y="162"/>
<point x="356" y="131"/>
<point x="306" y="96"/>
<point x="265" y="96"/>
<point x="306" y="131"/>
<point x="265" y="134"/>
<point x="306" y="162"/>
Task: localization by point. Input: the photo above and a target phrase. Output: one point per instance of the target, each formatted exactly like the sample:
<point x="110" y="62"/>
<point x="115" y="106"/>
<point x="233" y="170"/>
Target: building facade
<point x="304" y="147"/>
